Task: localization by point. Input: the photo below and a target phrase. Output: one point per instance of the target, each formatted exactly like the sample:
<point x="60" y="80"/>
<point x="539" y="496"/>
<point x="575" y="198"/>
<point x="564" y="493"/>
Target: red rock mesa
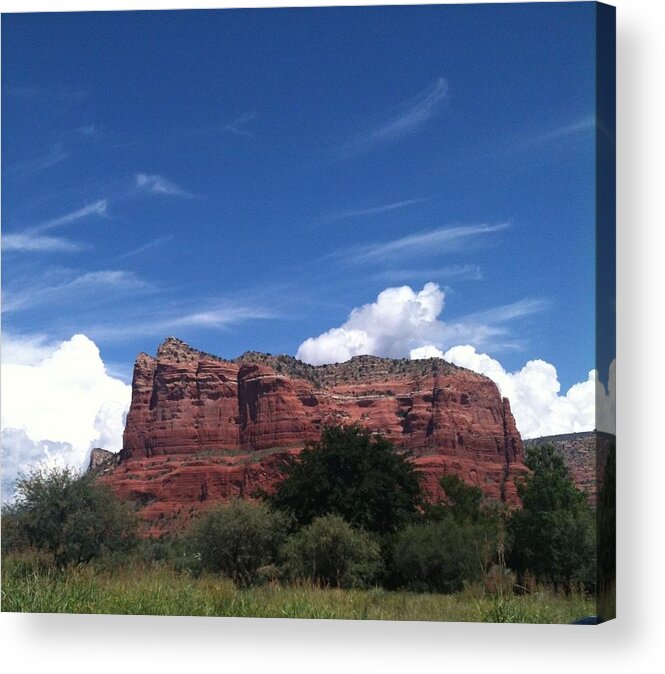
<point x="201" y="429"/>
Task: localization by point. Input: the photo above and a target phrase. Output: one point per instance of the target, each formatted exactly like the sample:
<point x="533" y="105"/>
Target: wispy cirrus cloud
<point x="159" y="320"/>
<point x="441" y="240"/>
<point x="467" y="272"/>
<point x="146" y="246"/>
<point x="57" y="152"/>
<point x="578" y="126"/>
<point x="376" y="210"/>
<point x="509" y="312"/>
<point x="54" y="155"/>
<point x="237" y="125"/>
<point x="34" y="243"/>
<point x="97" y="208"/>
<point x="156" y="184"/>
<point x="412" y="116"/>
<point x="66" y="287"/>
<point x="31" y="240"/>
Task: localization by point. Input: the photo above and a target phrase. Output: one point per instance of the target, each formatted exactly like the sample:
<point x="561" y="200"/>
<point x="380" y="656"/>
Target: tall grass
<point x="30" y="585"/>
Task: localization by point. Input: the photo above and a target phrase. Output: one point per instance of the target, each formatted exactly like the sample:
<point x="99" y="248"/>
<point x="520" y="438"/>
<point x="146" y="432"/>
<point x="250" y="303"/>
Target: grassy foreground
<point x="28" y="586"/>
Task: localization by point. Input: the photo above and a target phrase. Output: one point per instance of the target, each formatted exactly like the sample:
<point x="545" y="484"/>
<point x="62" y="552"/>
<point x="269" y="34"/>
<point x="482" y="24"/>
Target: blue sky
<point x="245" y="179"/>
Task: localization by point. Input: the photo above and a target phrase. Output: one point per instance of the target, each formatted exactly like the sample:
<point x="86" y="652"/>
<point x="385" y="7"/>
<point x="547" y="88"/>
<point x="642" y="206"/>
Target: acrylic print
<point x="309" y="313"/>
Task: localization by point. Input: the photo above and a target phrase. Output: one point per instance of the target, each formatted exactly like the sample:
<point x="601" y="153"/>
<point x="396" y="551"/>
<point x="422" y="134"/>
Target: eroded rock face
<point x="201" y="429"/>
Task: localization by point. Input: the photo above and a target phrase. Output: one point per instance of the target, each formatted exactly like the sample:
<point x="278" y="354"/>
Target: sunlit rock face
<point x="201" y="429"/>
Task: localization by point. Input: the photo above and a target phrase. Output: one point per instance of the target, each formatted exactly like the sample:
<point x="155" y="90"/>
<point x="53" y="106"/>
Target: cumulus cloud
<point x="391" y="326"/>
<point x="20" y="453"/>
<point x="402" y="319"/>
<point x="534" y="393"/>
<point x="58" y="403"/>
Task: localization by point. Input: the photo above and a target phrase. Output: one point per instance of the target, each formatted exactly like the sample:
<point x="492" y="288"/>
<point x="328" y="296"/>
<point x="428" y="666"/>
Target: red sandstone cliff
<point x="202" y="429"/>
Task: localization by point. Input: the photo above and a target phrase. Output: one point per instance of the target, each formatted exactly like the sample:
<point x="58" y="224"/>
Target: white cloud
<point x="146" y="246"/>
<point x="97" y="208"/>
<point x="534" y="392"/>
<point x="159" y="185"/>
<point x="375" y="210"/>
<point x="161" y="320"/>
<point x="75" y="289"/>
<point x="58" y="403"/>
<point x="425" y="352"/>
<point x="470" y="272"/>
<point x="34" y="243"/>
<point x="413" y="115"/>
<point x="441" y="239"/>
<point x="20" y="454"/>
<point x="55" y="155"/>
<point x="25" y="350"/>
<point x="392" y="325"/>
<point x="403" y="319"/>
<point x="236" y="126"/>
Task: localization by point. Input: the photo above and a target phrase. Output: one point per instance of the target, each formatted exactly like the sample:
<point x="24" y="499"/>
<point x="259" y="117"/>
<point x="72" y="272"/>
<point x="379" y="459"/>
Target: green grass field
<point x="29" y="586"/>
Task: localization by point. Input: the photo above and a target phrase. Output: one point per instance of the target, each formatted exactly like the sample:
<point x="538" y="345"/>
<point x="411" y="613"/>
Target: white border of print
<point x="71" y="643"/>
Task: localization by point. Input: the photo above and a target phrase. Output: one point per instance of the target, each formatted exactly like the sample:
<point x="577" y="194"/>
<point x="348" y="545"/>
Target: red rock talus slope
<point x="201" y="429"/>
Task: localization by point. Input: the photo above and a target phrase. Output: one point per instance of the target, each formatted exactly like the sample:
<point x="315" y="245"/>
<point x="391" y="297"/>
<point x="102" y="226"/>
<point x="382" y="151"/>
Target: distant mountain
<point x="585" y="455"/>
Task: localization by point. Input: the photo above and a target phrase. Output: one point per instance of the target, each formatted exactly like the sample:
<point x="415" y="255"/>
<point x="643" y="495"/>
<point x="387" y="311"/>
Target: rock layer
<point x="202" y="429"/>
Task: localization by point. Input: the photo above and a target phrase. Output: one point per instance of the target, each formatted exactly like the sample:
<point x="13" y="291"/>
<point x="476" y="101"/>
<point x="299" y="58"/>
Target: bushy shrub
<point x="330" y="552"/>
<point x="71" y="516"/>
<point x="238" y="539"/>
<point x="439" y="556"/>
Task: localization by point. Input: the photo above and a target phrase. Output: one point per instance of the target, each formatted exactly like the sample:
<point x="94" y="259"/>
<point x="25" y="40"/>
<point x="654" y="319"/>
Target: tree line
<point x="350" y="511"/>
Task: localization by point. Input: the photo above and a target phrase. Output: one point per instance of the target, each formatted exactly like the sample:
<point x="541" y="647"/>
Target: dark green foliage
<point x="458" y="540"/>
<point x="439" y="556"/>
<point x="71" y="516"/>
<point x="14" y="536"/>
<point x="553" y="533"/>
<point x="330" y="552"/>
<point x="353" y="474"/>
<point x="238" y="539"/>
<point x="463" y="502"/>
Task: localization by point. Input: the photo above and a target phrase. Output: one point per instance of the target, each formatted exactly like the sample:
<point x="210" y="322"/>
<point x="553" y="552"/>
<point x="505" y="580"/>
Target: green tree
<point x="351" y="473"/>
<point x="463" y="502"/>
<point x="238" y="539"/>
<point x="329" y="551"/>
<point x="71" y="516"/>
<point x="553" y="532"/>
